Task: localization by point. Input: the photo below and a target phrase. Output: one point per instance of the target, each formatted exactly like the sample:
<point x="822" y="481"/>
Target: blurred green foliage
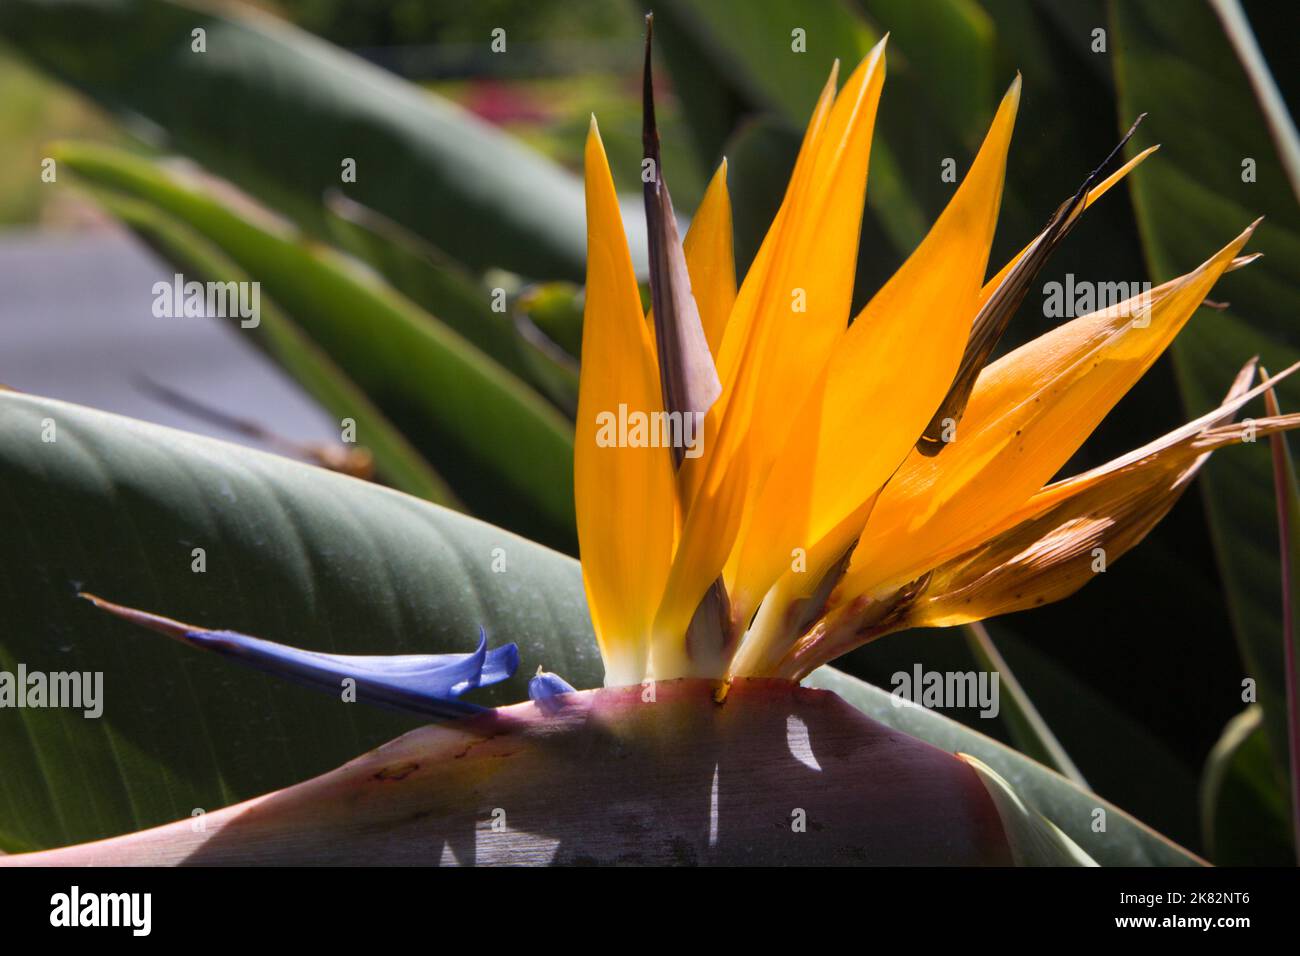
<point x="550" y="24"/>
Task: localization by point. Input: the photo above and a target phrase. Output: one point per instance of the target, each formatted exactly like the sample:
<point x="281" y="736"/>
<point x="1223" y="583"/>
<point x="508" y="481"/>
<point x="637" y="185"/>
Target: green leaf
<point x="293" y="553"/>
<point x="506" y="451"/>
<point x="1243" y="799"/>
<point x="548" y="321"/>
<point x="555" y="308"/>
<point x="1174" y="62"/>
<point x="396" y="462"/>
<point x="428" y="278"/>
<point x="752" y="43"/>
<point x="1280" y="124"/>
<point x="284" y="110"/>
<point x="1124" y="842"/>
<point x="1034" y="840"/>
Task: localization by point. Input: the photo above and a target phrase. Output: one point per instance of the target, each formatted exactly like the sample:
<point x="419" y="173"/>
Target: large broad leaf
<point x="507" y="452"/>
<point x="1219" y="169"/>
<point x="305" y="557"/>
<point x="1033" y="839"/>
<point x="278" y="111"/>
<point x="292" y="553"/>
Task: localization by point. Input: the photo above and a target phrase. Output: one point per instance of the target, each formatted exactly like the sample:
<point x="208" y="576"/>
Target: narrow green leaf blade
<point x="1028" y="729"/>
<point x="1243" y="798"/>
<point x="428" y="277"/>
<point x="1288" y="526"/>
<point x="507" y="452"/>
<point x="397" y="463"/>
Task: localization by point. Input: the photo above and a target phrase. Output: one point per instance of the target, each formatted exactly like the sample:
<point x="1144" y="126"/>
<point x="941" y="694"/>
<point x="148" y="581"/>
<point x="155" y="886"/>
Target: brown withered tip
<point x="355" y="462"/>
<point x="997" y="312"/>
<point x="98" y="601"/>
<point x="1095" y="175"/>
<point x="155" y="622"/>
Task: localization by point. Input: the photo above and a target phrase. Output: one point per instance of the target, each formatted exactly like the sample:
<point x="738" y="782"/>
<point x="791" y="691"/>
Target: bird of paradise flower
<point x="856" y="478"/>
<point x="853" y="475"/>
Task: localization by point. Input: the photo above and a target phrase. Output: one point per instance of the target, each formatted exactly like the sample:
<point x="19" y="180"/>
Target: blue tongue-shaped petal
<point x="425" y="684"/>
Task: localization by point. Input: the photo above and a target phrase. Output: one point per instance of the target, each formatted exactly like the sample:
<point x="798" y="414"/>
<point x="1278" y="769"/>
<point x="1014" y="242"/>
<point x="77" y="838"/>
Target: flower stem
<point x="1032" y="735"/>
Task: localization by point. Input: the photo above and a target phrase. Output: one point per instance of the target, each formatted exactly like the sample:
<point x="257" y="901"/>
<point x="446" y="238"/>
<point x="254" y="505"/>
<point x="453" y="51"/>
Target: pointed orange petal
<point x="798" y="598"/>
<point x="710" y="259"/>
<point x="624" y="495"/>
<point x="735" y="332"/>
<point x="1029" y="413"/>
<point x="889" y="371"/>
<point x="1079" y="527"/>
<point x="789" y="312"/>
<point x="1049" y="552"/>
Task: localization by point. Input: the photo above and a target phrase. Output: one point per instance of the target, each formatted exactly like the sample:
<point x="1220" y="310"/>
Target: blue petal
<point x="426" y="684"/>
<point x="545" y="687"/>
